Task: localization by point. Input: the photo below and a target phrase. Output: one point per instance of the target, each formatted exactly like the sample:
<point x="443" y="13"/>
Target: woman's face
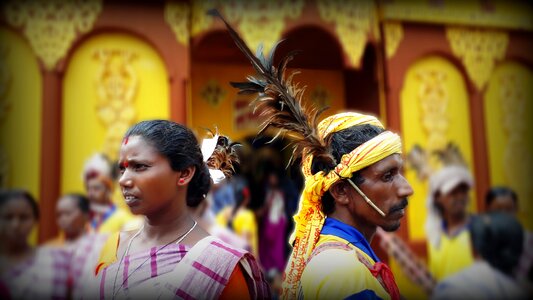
<point x="16" y="221"/>
<point x="147" y="181"/>
<point x="69" y="216"/>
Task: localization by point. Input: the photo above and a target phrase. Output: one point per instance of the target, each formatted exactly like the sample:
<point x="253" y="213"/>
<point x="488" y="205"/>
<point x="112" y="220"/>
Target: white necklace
<point x="176" y="241"/>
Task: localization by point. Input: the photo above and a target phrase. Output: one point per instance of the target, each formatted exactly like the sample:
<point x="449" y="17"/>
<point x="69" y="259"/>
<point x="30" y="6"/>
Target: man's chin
<point x="391" y="227"/>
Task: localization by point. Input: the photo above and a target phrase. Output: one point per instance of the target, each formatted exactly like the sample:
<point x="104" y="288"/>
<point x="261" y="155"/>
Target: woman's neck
<point x="165" y="222"/>
<point x="74" y="237"/>
<point x="17" y="251"/>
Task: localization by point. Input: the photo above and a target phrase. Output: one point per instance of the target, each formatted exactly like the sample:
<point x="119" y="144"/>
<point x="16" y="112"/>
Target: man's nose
<point x="405" y="189"/>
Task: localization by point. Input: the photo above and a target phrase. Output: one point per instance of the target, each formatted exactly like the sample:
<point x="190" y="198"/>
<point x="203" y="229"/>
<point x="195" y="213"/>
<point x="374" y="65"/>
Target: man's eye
<point x="387" y="177"/>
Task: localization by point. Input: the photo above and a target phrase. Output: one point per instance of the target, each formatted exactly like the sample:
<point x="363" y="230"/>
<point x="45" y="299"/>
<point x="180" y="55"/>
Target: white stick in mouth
<point x="366" y="198"/>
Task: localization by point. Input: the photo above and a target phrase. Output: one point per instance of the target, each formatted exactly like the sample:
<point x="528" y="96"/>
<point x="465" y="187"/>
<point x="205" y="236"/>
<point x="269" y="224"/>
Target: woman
<point x="27" y="272"/>
<point x="274" y="222"/>
<point x="72" y="213"/>
<point x="242" y="219"/>
<point x="163" y="172"/>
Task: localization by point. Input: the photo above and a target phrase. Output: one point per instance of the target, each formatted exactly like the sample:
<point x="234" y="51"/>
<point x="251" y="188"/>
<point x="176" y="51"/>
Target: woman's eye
<point x="140" y="167"/>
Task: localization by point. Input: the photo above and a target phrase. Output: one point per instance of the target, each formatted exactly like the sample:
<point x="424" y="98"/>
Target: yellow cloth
<point x="245" y="225"/>
<point x="338" y="274"/>
<point x="119" y="220"/>
<point x="223" y="216"/>
<point x="309" y="218"/>
<point x="453" y="255"/>
<point x="108" y="255"/>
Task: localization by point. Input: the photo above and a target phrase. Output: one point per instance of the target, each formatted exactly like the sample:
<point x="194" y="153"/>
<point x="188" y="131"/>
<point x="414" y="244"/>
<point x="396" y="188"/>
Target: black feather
<point x="279" y="100"/>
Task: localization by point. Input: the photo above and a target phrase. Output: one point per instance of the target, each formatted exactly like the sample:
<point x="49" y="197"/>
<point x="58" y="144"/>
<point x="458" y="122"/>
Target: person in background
<point x="274" y="224"/>
<point x="106" y="217"/>
<point x="242" y="219"/>
<point x="497" y="243"/>
<point x="27" y="272"/>
<point x="449" y="247"/>
<point x="504" y="199"/>
<point x="72" y="213"/>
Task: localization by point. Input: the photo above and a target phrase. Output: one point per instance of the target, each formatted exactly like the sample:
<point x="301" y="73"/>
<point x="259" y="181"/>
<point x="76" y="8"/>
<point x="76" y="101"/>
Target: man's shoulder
<point x="334" y="260"/>
<point x="336" y="273"/>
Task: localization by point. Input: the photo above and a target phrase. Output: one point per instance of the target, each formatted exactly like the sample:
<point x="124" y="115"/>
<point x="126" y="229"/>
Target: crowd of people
<point x="194" y="231"/>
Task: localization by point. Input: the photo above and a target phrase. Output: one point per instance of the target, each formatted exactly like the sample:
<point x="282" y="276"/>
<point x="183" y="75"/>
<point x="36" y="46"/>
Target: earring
<point x="181" y="181"/>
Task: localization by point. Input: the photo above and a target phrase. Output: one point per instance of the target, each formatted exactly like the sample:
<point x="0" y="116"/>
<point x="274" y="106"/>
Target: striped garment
<point x="180" y="272"/>
<point x="43" y="276"/>
<point x="83" y="261"/>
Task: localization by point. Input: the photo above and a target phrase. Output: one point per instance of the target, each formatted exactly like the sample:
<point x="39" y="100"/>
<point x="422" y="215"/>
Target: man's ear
<point x="339" y="191"/>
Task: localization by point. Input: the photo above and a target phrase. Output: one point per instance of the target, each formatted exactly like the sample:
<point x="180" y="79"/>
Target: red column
<point x="479" y="147"/>
<point x="50" y="154"/>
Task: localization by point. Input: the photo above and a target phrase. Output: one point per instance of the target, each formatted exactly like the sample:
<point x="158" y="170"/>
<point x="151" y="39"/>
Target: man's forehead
<point x="391" y="161"/>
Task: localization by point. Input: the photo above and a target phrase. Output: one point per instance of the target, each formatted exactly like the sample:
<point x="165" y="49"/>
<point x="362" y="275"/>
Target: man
<point x="449" y="247"/>
<point x="504" y="199"/>
<point x="497" y="240"/>
<point x="106" y="217"/>
<point x="353" y="185"/>
<point x="364" y="191"/>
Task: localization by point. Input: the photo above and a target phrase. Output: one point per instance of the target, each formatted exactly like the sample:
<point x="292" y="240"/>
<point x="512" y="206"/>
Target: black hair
<point x="498" y="237"/>
<point x="340" y="143"/>
<point x="81" y="200"/>
<point x="7" y="195"/>
<point x="180" y="146"/>
<point x="500" y="191"/>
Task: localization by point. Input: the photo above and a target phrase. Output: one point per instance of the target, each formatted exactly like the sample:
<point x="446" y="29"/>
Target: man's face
<point x="97" y="191"/>
<point x="454" y="203"/>
<point x="385" y="186"/>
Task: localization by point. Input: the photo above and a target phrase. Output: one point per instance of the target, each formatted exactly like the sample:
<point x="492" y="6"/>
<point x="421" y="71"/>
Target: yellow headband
<point x="310" y="218"/>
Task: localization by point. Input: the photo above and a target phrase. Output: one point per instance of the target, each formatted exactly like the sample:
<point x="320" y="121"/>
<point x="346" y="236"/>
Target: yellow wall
<point x="20" y="114"/>
<point x="508" y="111"/>
<point x="84" y="132"/>
<point x="450" y="84"/>
<point x="223" y="114"/>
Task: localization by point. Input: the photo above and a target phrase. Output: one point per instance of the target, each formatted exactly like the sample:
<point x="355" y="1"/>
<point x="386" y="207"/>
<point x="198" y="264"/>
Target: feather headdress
<point x="280" y="101"/>
<point x="224" y="156"/>
<point x="220" y="156"/>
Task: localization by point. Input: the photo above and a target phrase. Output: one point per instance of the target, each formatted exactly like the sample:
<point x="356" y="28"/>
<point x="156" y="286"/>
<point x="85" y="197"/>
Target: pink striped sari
<point x="43" y="276"/>
<point x="179" y="272"/>
<point x="84" y="259"/>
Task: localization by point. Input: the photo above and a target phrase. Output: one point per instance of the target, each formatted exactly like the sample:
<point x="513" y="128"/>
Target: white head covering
<point x="444" y="181"/>
<point x="97" y="164"/>
<point x="208" y="147"/>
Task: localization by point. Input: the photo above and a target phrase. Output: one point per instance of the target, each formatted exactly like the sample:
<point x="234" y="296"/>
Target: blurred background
<point x="453" y="78"/>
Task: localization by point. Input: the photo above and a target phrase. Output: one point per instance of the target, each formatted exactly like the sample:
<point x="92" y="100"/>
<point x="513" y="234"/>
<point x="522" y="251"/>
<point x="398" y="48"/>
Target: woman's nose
<point x="125" y="180"/>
